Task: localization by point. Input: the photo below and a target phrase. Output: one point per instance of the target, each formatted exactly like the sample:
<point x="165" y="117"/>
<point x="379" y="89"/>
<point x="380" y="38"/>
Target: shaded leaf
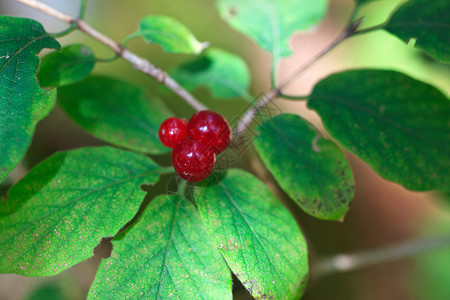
<point x="396" y="124"/>
<point x="255" y="233"/>
<point x="225" y="74"/>
<point x="166" y="254"/>
<point x="445" y="196"/>
<point x="312" y="170"/>
<point x="72" y="64"/>
<point x="116" y="111"/>
<point x="47" y="292"/>
<point x="59" y="212"/>
<point x="362" y="2"/>
<point x="22" y="102"/>
<point x="169" y="33"/>
<point x="426" y="21"/>
<point x="271" y="23"/>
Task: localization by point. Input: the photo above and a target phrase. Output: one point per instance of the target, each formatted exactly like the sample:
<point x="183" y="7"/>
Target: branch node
<point x="354" y="26"/>
<point x="74" y="21"/>
<point x="161" y="76"/>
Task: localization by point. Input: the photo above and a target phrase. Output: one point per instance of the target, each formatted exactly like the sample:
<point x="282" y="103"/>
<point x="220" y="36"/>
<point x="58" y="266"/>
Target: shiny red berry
<point x="210" y="128"/>
<point x="193" y="160"/>
<point x="172" y="131"/>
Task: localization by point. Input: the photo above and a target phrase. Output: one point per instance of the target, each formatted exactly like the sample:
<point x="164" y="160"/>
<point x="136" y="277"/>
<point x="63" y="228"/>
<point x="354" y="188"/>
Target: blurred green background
<point x="382" y="213"/>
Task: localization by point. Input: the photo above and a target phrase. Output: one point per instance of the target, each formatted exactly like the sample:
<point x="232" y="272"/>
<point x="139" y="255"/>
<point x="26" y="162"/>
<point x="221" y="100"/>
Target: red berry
<point x="172" y="131"/>
<point x="210" y="128"/>
<point x="193" y="160"/>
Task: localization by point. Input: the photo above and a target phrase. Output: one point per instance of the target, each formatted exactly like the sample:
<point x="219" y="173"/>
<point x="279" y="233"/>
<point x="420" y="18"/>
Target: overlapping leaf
<point x="398" y="125"/>
<point x="312" y="170"/>
<point x="271" y="23"/>
<point x="22" y="102"/>
<point x="169" y="33"/>
<point x="255" y="233"/>
<point x="225" y="74"/>
<point x="72" y="64"/>
<point x="116" y="111"/>
<point x="166" y="254"/>
<point x="426" y="21"/>
<point x="58" y="213"/>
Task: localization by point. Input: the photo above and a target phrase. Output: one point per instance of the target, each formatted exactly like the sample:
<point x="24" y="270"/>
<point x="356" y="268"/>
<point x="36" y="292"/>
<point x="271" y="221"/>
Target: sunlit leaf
<point x="271" y="23"/>
<point x="255" y="233"/>
<point x="58" y="213"/>
<point x="166" y="254"/>
<point x="169" y="33"/>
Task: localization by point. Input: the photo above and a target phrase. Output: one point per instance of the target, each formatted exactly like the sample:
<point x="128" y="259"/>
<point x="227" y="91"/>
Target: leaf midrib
<point x="230" y="198"/>
<point x="23" y="48"/>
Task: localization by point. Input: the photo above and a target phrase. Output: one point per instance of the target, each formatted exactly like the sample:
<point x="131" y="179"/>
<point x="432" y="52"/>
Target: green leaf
<point x="50" y="291"/>
<point x="225" y="74"/>
<point x="426" y="21"/>
<point x="312" y="170"/>
<point x="169" y="33"/>
<point x="256" y="235"/>
<point x="271" y="23"/>
<point x="398" y="125"/>
<point x="362" y="2"/>
<point x="22" y="102"/>
<point x="117" y="112"/>
<point x="72" y="64"/>
<point x="166" y="254"/>
<point x="59" y="212"/>
<point x="445" y="196"/>
<point x="431" y="269"/>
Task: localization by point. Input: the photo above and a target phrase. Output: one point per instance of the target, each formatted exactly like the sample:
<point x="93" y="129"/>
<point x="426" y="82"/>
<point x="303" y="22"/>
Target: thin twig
<point x="370" y="29"/>
<point x="47" y="10"/>
<point x="348" y="31"/>
<point x="349" y="262"/>
<point x="275" y="92"/>
<point x="137" y="62"/>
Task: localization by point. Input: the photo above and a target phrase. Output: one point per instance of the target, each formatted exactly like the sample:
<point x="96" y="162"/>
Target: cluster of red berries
<point x="195" y="143"/>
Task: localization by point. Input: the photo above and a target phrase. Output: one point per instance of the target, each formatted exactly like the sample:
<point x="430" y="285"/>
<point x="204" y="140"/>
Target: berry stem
<point x="136" y="61"/>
